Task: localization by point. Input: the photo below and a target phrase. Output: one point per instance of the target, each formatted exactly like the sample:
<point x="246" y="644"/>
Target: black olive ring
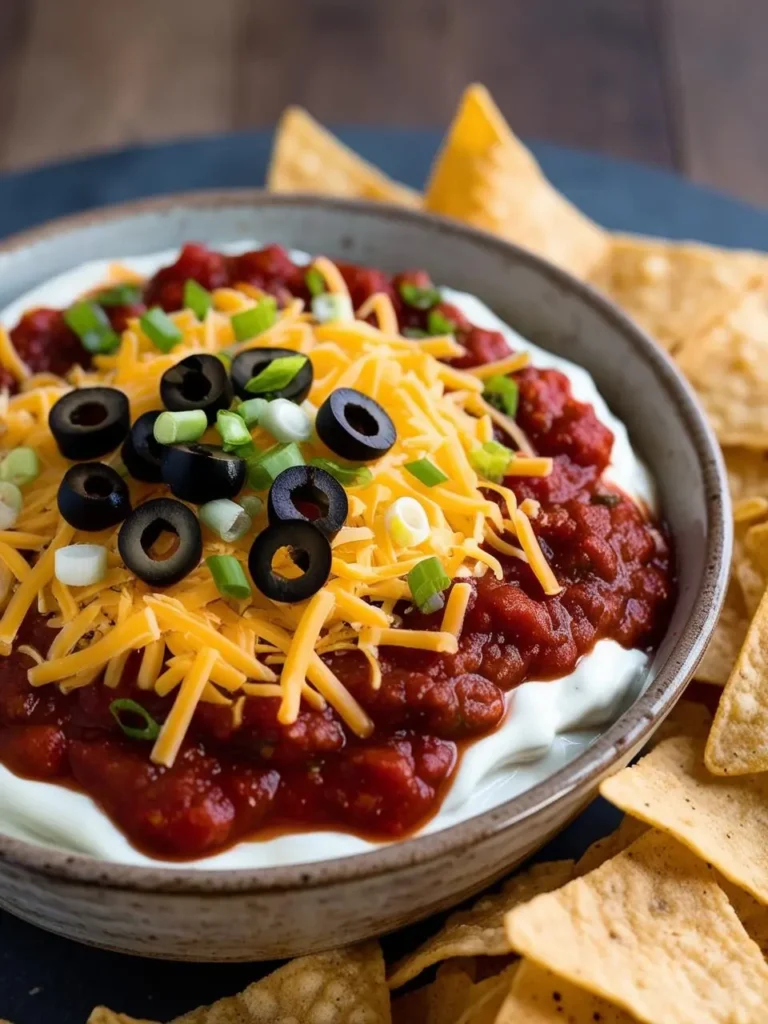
<point x="354" y="426"/>
<point x="310" y="487"/>
<point x="142" y="529"/>
<point x="202" y="472"/>
<point x="141" y="452"/>
<point x="93" y="497"/>
<point x="250" y="364"/>
<point x="310" y="549"/>
<point x="197" y="382"/>
<point x="89" y="422"/>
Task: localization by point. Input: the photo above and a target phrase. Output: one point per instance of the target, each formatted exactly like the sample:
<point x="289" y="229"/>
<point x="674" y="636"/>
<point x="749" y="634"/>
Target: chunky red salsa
<point x="230" y="782"/>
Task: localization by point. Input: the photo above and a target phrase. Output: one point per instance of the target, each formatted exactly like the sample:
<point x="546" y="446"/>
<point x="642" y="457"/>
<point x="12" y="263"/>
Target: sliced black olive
<point x="354" y="426"/>
<point x="141" y="452"/>
<point x="160" y="542"/>
<point x="93" y="496"/>
<point x="310" y="550"/>
<point x="197" y="382"/>
<point x="202" y="472"/>
<point x="89" y="422"/>
<point x="311" y="494"/>
<point x="250" y="364"/>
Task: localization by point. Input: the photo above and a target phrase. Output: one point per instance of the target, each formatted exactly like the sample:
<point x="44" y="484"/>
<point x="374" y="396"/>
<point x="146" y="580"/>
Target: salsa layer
<point x="252" y="777"/>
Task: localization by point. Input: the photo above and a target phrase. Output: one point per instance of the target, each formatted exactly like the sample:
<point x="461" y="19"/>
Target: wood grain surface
<point x="677" y="83"/>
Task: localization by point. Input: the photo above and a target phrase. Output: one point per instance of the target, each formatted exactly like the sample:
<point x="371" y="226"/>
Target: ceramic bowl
<point x="180" y="913"/>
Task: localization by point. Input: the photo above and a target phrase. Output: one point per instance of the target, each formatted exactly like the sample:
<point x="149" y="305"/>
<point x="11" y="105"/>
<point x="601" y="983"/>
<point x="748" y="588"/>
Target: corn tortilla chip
<point x="454" y="998"/>
<point x="345" y="986"/>
<point x="673" y="290"/>
<point x="651" y="932"/>
<point x="729" y="635"/>
<point x="747" y="472"/>
<point x="727" y="364"/>
<point x="480" y="930"/>
<point x="484" y="176"/>
<point x="538" y="996"/>
<point x="101" y="1015"/>
<point x="723" y="820"/>
<point x="603" y="849"/>
<point x="307" y="158"/>
<point x="752" y="914"/>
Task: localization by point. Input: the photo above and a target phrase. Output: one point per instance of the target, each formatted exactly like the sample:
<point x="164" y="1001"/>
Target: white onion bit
<point x="81" y="565"/>
<point x="286" y="421"/>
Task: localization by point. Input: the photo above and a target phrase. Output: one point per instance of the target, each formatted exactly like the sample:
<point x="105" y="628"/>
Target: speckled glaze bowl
<point x="186" y="914"/>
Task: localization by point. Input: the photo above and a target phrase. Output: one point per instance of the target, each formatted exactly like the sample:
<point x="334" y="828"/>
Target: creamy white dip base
<point x="547" y="724"/>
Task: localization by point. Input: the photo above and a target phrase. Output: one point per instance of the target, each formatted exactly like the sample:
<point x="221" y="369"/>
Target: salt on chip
<point x="307" y="158"/>
<point x="727" y="364"/>
<point x="345" y="986"/>
<point x="485" y="176"/>
<point x="674" y="289"/>
<point x="538" y="996"/>
<point x="651" y="932"/>
<point x="722" y="820"/>
<point x="479" y="931"/>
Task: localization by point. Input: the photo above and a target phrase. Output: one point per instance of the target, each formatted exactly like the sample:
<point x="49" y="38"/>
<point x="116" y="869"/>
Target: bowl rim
<point x="628" y="731"/>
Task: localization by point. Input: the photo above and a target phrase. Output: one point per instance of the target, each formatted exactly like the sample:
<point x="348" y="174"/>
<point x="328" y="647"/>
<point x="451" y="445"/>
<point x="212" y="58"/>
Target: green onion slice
<point x="160" y="329"/>
<point x="20" y="466"/>
<point x="492" y="460"/>
<point x="197" y="298"/>
<point x="418" y="298"/>
<point x="251" y="410"/>
<point x="226" y="518"/>
<point x="252" y="322"/>
<point x="91" y="324"/>
<point x="228" y="576"/>
<point x="180" y="427"/>
<point x="150" y="729"/>
<point x="119" y="295"/>
<point x="426" y="472"/>
<point x="427" y="580"/>
<point x="415" y="333"/>
<point x="276" y="375"/>
<point x="253" y="506"/>
<point x="328" y="308"/>
<point x="439" y="323"/>
<point x="502" y="393"/>
<point x="286" y="421"/>
<point x="348" y="476"/>
<point x="268" y="465"/>
<point x="234" y="433"/>
<point x="11" y="501"/>
<point x="314" y="281"/>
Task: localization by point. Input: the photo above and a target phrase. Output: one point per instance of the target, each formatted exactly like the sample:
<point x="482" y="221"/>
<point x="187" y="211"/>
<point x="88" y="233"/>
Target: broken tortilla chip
<point x="538" y="996"/>
<point x="346" y="986"/>
<point x="747" y="472"/>
<point x="722" y="820"/>
<point x="675" y="289"/>
<point x="727" y="364"/>
<point x="101" y="1015"/>
<point x="454" y="998"/>
<point x="723" y="649"/>
<point x="651" y="932"/>
<point x="484" y="176"/>
<point x="479" y="931"/>
<point x="307" y="158"/>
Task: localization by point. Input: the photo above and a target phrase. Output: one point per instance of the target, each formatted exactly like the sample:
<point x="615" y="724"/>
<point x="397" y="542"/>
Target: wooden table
<point x="678" y="83"/>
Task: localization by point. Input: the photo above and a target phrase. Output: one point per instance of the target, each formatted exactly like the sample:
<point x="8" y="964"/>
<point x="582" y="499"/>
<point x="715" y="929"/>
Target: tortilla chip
<point x="610" y="846"/>
<point x="651" y="932"/>
<point x="673" y="290"/>
<point x="727" y="639"/>
<point x="484" y="176"/>
<point x="345" y="986"/>
<point x="480" y="930"/>
<point x="747" y="472"/>
<point x="752" y="914"/>
<point x="101" y="1015"/>
<point x="538" y="996"/>
<point x="307" y="158"/>
<point x="454" y="998"/>
<point x="723" y="820"/>
<point x="727" y="364"/>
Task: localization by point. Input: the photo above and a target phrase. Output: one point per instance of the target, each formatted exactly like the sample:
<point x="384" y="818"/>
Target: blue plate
<point x="38" y="970"/>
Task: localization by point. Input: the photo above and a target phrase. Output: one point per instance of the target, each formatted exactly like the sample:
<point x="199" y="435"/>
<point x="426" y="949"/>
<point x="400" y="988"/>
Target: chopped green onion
<point x="228" y="576"/>
<point x="348" y="476"/>
<point x="20" y="466"/>
<point x="286" y="421"/>
<point x="225" y="357"/>
<point x="80" y="565"/>
<point x="252" y="505"/>
<point x="254" y="321"/>
<point x="502" y="393"/>
<point x="160" y="329"/>
<point x="492" y="460"/>
<point x="180" y="427"/>
<point x="11" y="500"/>
<point x="327" y="308"/>
<point x="226" y="518"/>
<point x="407" y="522"/>
<point x="246" y="451"/>
<point x="426" y="472"/>
<point x="151" y="729"/>
<point x="251" y="410"/>
<point x="314" y="281"/>
<point x="607" y="499"/>
<point x="119" y="295"/>
<point x="427" y="580"/>
<point x="276" y="375"/>
<point x="415" y="333"/>
<point x="234" y="433"/>
<point x="418" y="298"/>
<point x="439" y="323"/>
<point x="91" y="324"/>
<point x="197" y="298"/>
<point x="268" y="465"/>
